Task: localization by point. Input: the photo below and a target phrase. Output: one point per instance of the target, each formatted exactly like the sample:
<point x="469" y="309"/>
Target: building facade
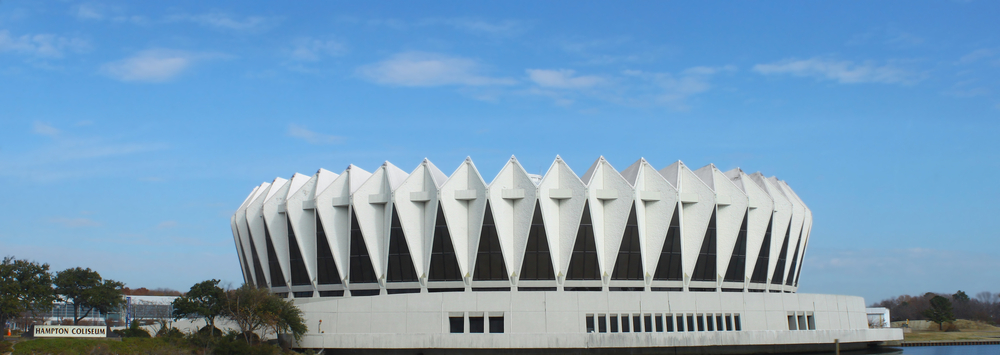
<point x="637" y="258"/>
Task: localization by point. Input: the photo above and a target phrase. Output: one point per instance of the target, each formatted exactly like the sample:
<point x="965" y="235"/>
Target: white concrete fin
<point x="728" y="218"/>
<point x="417" y="216"/>
<point x="242" y="237"/>
<point x="781" y="219"/>
<point x="358" y="176"/>
<point x="277" y="225"/>
<point x="303" y="222"/>
<point x="609" y="216"/>
<point x="705" y="174"/>
<point x="255" y="222"/>
<point x="653" y="216"/>
<point x="394" y="175"/>
<point x="247" y="199"/>
<point x="277" y="184"/>
<point x="296" y="183"/>
<point x="464" y="216"/>
<point x="239" y="247"/>
<point x="672" y="173"/>
<point x="333" y="208"/>
<point x="323" y="180"/>
<point x="798" y="217"/>
<point x="694" y="217"/>
<point x="259" y="191"/>
<point x="513" y="216"/>
<point x="590" y="171"/>
<point x="762" y="208"/>
<point x="561" y="197"/>
<point x="631" y="173"/>
<point x="374" y="217"/>
<point x="437" y="175"/>
<point x="734" y="176"/>
<point x="806" y="226"/>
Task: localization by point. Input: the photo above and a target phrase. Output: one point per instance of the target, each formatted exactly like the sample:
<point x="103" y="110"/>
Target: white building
<point x="640" y="258"/>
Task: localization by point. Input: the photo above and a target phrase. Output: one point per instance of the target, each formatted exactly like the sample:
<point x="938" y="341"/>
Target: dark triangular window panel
<point x="444" y="264"/>
<point x="704" y="268"/>
<point x="779" y="271"/>
<point x="400" y="263"/>
<point x="258" y="269"/>
<point x="300" y="276"/>
<point x="583" y="263"/>
<point x="736" y="271"/>
<point x="247" y="276"/>
<point x="760" y="267"/>
<point x="795" y="262"/>
<point x="361" y="263"/>
<point x="326" y="268"/>
<point x="799" y="272"/>
<point x="537" y="263"/>
<point x="490" y="265"/>
<point x="277" y="278"/>
<point x="668" y="267"/>
<point x="628" y="265"/>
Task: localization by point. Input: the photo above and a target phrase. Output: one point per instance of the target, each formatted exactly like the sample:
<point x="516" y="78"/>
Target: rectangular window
<point x="670" y="322"/>
<point x="729" y="322"/>
<point x="812" y="322"/>
<point x="736" y="322"/>
<point x="457" y="324"/>
<point x="802" y="322"/>
<point x="701" y="322"/>
<point x="476" y="325"/>
<point x="602" y="324"/>
<point x="614" y="323"/>
<point x="636" y="323"/>
<point x="690" y="324"/>
<point x="710" y="321"/>
<point x="625" y="325"/>
<point x="339" y="293"/>
<point x="303" y="294"/>
<point x="659" y="323"/>
<point x="590" y="323"/>
<point x="792" y="325"/>
<point x="496" y="324"/>
<point x="718" y="322"/>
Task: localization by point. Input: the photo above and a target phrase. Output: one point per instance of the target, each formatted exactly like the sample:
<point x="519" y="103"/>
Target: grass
<point x="127" y="346"/>
<point x="968" y="330"/>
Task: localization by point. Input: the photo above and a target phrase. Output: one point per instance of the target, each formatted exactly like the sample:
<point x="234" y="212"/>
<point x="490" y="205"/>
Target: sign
<point x="70" y="331"/>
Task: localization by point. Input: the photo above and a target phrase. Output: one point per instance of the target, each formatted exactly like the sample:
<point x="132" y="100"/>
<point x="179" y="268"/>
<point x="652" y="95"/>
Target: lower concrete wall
<point x="559" y="320"/>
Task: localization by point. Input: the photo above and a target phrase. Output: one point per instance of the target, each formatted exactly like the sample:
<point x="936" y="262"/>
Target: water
<point x="932" y="350"/>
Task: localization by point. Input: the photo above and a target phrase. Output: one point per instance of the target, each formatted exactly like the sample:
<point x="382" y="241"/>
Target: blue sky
<point x="130" y="132"/>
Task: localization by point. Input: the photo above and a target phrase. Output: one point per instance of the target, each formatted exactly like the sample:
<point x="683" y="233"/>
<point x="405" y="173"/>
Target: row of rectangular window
<point x="376" y="292"/>
<point x="801" y="321"/>
<point x="478" y="323"/>
<point x="660" y="322"/>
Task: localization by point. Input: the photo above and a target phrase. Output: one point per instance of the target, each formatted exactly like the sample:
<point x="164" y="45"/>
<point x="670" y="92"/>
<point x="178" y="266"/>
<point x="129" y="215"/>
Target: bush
<point x="4" y="346"/>
<point x="132" y="331"/>
<point x="234" y="343"/>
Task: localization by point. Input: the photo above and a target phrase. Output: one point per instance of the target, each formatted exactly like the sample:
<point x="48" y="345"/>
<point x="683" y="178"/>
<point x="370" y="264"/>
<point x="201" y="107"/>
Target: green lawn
<point x="128" y="346"/>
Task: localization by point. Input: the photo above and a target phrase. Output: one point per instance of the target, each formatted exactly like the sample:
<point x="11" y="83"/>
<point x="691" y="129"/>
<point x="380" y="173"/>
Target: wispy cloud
<point x="75" y="222"/>
<point x="227" y="21"/>
<point x="479" y="26"/>
<point x="978" y="55"/>
<point x="41" y="45"/>
<point x="312" y="137"/>
<point x="44" y="129"/>
<point x="841" y="71"/>
<point x="166" y="224"/>
<point x="563" y="79"/>
<point x="674" y="89"/>
<point x="314" y="49"/>
<point x="429" y="69"/>
<point x="153" y="65"/>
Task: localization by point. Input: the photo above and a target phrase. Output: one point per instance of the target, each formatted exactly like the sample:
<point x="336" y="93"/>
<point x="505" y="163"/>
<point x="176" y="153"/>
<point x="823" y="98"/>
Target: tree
<point x="257" y="310"/>
<point x="940" y="311"/>
<point x="88" y="291"/>
<point x="205" y="299"/>
<point x="960" y="296"/>
<point x="25" y="286"/>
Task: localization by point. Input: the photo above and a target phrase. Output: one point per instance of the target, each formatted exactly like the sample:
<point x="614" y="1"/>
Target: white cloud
<point x="154" y="65"/>
<point x="41" y="45"/>
<point x="977" y="55"/>
<point x="501" y="28"/>
<point x="89" y="12"/>
<point x="429" y="69"/>
<point x="562" y="79"/>
<point x="75" y="222"/>
<point x="674" y="90"/>
<point x="227" y="22"/>
<point x="312" y="137"/>
<point x="313" y="49"/>
<point x="841" y="71"/>
<point x="45" y="129"/>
